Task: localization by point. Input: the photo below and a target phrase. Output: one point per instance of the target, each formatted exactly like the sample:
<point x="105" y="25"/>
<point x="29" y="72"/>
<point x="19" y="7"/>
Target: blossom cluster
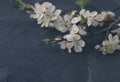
<point x="74" y="24"/>
<point x="110" y="45"/>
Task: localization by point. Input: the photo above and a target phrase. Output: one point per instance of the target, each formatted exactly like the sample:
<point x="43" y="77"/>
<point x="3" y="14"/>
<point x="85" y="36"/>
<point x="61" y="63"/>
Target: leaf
<point x="22" y="6"/>
<point x="18" y="1"/>
<point x="46" y="41"/>
<point x="53" y="43"/>
<point x="81" y="3"/>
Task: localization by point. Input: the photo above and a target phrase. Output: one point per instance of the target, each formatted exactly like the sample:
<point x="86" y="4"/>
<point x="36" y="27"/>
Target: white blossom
<point x="78" y="46"/>
<point x="76" y="19"/>
<point x="72" y="40"/>
<point x="82" y="30"/>
<point x="105" y="15"/>
<point x="110" y="45"/>
<point x="60" y="25"/>
<point x="45" y="13"/>
<point x="79" y="29"/>
<point x="84" y="13"/>
<point x="72" y="37"/>
<point x="63" y="44"/>
<point x="74" y="29"/>
<point x="64" y="24"/>
<point x="67" y="18"/>
<point x="92" y="19"/>
<point x="38" y="11"/>
<point x="97" y="47"/>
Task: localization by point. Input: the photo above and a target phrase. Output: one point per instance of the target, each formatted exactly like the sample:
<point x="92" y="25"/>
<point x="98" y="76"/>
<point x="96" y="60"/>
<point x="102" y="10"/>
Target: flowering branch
<point x="74" y="25"/>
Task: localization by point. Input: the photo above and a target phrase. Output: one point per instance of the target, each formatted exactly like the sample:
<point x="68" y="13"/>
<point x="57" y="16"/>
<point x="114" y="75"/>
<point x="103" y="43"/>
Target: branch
<point x="109" y="27"/>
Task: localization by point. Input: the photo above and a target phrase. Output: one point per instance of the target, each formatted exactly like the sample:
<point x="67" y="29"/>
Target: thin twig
<point x="109" y="27"/>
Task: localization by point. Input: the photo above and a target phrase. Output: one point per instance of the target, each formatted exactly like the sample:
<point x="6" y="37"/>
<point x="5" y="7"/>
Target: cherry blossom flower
<point x="92" y="20"/>
<point x="64" y="24"/>
<point x="82" y="14"/>
<point x="38" y="11"/>
<point x="45" y="13"/>
<point x="105" y="15"/>
<point x="72" y="40"/>
<point x="86" y="15"/>
<point x="110" y="45"/>
<point x="79" y="29"/>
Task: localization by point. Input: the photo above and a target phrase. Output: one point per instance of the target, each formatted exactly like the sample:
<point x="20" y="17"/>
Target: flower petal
<point x="99" y="17"/>
<point x="68" y="37"/>
<point x="105" y="43"/>
<point x="94" y="13"/>
<point x="97" y="47"/>
<point x="75" y="20"/>
<point x="110" y="37"/>
<point x="77" y="37"/>
<point x="57" y="12"/>
<point x="74" y="29"/>
<point x="89" y="23"/>
<point x="82" y="11"/>
<point x="77" y="48"/>
<point x="82" y="32"/>
<point x="69" y="46"/>
<point x="81" y="43"/>
<point x="63" y="44"/>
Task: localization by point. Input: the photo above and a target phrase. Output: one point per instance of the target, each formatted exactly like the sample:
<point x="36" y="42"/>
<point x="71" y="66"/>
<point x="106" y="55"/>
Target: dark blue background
<point x="25" y="58"/>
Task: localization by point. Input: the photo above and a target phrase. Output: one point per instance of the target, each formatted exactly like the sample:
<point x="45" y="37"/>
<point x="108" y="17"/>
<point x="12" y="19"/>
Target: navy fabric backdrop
<point x="25" y="58"/>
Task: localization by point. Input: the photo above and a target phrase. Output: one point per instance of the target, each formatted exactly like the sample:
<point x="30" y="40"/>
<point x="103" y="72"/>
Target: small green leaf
<point x="22" y="5"/>
<point x="81" y="3"/>
<point x="18" y="1"/>
<point x="46" y="41"/>
<point x="30" y="12"/>
<point x="53" y="43"/>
